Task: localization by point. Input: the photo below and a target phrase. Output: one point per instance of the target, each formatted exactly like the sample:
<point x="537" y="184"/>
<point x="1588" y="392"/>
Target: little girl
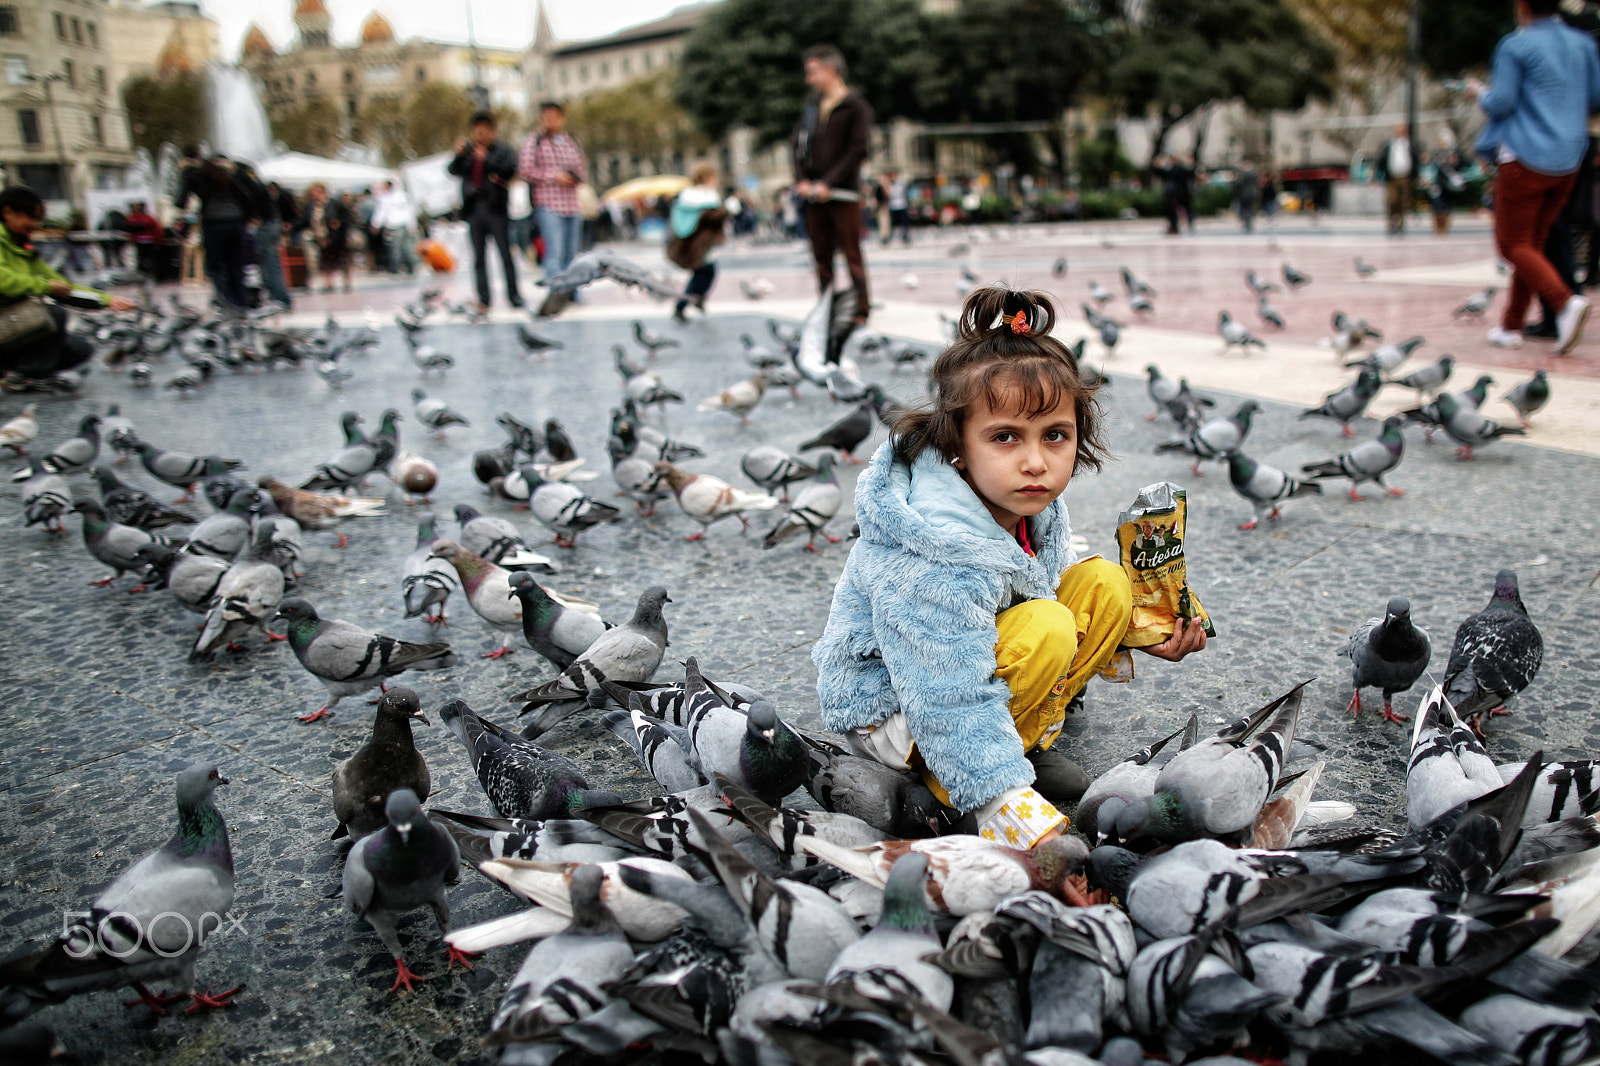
<point x="964" y="623"/>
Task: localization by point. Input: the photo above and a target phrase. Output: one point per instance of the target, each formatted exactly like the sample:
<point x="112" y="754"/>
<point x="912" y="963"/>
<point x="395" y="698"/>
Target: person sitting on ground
<point x="964" y="624"/>
<point x="696" y="222"/>
<point x="23" y="274"/>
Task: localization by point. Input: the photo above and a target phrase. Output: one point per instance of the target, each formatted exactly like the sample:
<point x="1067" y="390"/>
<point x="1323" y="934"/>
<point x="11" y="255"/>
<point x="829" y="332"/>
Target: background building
<point x="62" y="130"/>
<point x="153" y="38"/>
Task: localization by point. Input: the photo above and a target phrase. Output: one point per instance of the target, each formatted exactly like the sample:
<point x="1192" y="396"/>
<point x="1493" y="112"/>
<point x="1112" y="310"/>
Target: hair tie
<point x="1018" y="323"/>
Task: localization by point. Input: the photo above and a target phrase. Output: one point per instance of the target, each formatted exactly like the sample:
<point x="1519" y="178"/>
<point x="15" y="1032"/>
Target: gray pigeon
<point x="755" y="749"/>
<point x="246" y="598"/>
<point x="117" y="430"/>
<point x="559" y="634"/>
<point x="1350" y="402"/>
<point x="287" y="545"/>
<point x="1131" y="779"/>
<point x="190" y="576"/>
<point x="845" y="434"/>
<point x="1269" y="314"/>
<point x="1429" y="379"/>
<point x="1368" y="461"/>
<point x="1386" y="359"/>
<point x="428" y="580"/>
<point x="1530" y="396"/>
<point x="135" y="507"/>
<point x="389" y="760"/>
<point x="564" y="509"/>
<point x="224" y="534"/>
<point x="1448" y="765"/>
<point x="403" y="866"/>
<point x="1214" y="439"/>
<point x="521" y="779"/>
<point x="1260" y="286"/>
<point x="775" y="469"/>
<point x="663" y="749"/>
<point x="651" y="341"/>
<point x="180" y="470"/>
<point x="45" y="497"/>
<point x="893" y="958"/>
<point x="351" y="464"/>
<point x="1468" y="426"/>
<point x="1236" y="336"/>
<point x="435" y="414"/>
<point x="1388" y="652"/>
<point x="629" y="653"/>
<point x="897" y="804"/>
<point x="1294" y="278"/>
<point x="146" y="926"/>
<point x="1162" y="390"/>
<point x="494" y="538"/>
<point x="1495" y="655"/>
<point x="1477" y="305"/>
<point x="73" y="455"/>
<point x="1184" y="998"/>
<point x="814" y="506"/>
<point x="112" y="542"/>
<point x="1264" y="486"/>
<point x="349" y="660"/>
<point x="567" y="977"/>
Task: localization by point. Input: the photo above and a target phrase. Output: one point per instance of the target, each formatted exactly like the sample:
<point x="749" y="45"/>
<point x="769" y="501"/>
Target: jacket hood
<point x="928" y="509"/>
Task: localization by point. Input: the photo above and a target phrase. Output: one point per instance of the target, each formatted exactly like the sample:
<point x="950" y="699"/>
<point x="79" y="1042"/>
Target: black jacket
<point x="499" y="167"/>
<point x="832" y="151"/>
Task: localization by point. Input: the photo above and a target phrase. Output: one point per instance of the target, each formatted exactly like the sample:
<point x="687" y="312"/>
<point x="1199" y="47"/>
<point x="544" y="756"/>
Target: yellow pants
<point x="1048" y="650"/>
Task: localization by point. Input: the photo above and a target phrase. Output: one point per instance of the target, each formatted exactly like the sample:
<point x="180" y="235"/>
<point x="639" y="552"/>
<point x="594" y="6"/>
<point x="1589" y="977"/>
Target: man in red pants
<point x="1546" y="81"/>
<point x="832" y="141"/>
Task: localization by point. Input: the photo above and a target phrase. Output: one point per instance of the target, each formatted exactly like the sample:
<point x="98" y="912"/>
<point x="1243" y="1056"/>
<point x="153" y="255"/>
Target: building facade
<point x="62" y="128"/>
<point x="152" y="38"/>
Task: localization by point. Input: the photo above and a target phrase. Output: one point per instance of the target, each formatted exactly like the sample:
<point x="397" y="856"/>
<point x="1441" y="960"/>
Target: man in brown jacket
<point x="832" y="141"/>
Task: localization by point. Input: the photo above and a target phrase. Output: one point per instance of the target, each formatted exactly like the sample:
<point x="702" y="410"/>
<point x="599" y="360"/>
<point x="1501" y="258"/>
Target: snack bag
<point x="1150" y="539"/>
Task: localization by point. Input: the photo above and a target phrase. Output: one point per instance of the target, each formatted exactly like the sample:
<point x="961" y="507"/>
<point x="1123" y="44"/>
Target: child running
<point x="964" y="624"/>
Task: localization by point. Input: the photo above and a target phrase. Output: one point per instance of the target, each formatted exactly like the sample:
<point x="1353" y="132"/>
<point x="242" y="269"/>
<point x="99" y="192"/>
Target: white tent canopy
<point x="296" y="171"/>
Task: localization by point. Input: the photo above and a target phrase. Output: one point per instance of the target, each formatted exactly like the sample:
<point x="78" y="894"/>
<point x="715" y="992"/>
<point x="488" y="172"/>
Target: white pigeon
<point x="739" y="399"/>
<point x="19" y="431"/>
<point x="707" y="499"/>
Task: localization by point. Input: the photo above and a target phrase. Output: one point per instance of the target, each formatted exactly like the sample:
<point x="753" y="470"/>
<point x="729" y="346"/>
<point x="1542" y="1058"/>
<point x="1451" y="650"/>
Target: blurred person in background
<point x="829" y="147"/>
<point x="553" y="166"/>
<point x="228" y="196"/>
<point x="695" y="223"/>
<point x="486" y="167"/>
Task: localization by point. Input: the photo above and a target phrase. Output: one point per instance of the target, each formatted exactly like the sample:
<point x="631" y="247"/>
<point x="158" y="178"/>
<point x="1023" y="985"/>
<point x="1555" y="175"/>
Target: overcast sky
<point x="498" y="23"/>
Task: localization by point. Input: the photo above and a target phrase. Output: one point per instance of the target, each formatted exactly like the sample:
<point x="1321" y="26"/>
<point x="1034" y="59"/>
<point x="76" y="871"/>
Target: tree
<point x="638" y="119"/>
<point x="1460" y="35"/>
<point x="1185" y="54"/>
<point x="436" y="117"/>
<point x="382" y="124"/>
<point x="166" y="110"/>
<point x="314" y="127"/>
<point x="1369" y="35"/>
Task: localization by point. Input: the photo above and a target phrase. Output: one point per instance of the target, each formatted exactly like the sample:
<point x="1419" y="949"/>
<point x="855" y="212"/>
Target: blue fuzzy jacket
<point x="912" y="627"/>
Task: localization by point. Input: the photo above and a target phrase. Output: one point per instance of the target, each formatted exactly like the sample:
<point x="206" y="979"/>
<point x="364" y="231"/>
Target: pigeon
<point x="19" y="431"/>
<point x="592" y="266"/>
<point x="651" y="341"/>
<point x="1294" y="278"/>
<point x="319" y="510"/>
<point x="1141" y="305"/>
<point x="847" y="434"/>
<point x="775" y="469"/>
<point x="112" y="542"/>
<point x="173" y="900"/>
<point x="287" y="546"/>
<point x="1110" y="334"/>
<point x="494" y="538"/>
<point x="755" y="290"/>
<point x="45" y="497"/>
<point x="389" y="760"/>
<point x="629" y="653"/>
<point x="224" y="534"/>
<point x="533" y="344"/>
<point x="1259" y="285"/>
<point x="415" y="475"/>
<point x="75" y="454"/>
<point x="1429" y="379"/>
<point x="1269" y="314"/>
<point x="349" y="660"/>
<point x="135" y="507"/>
<point x="1368" y="461"/>
<point x="403" y="866"/>
<point x="639" y="384"/>
<point x="1364" y="269"/>
<point x="759" y="355"/>
<point x="245" y="599"/>
<point x="812" y="509"/>
<point x="488" y="589"/>
<point x="1448" y="765"/>
<point x="428" y="358"/>
<point x="1216" y="438"/>
<point x="1387" y="652"/>
<point x="664" y="750"/>
<point x="521" y="779"/>
<point x="435" y="414"/>
<point x="179" y="470"/>
<point x="637" y="478"/>
<point x="1496" y="653"/>
<point x="1135" y="285"/>
<point x="427" y="580"/>
<point x="1264" y="486"/>
<point x="1528" y="398"/>
<point x="1234" y="335"/>
<point x="896" y="804"/>
<point x="1184" y="998"/>
<point x="1532" y="1031"/>
<point x="218" y="483"/>
<point x="894" y="957"/>
<point x="1390" y="356"/>
<point x="557" y="443"/>
<point x="559" y="634"/>
<point x="564" y="509"/>
<point x="188" y="381"/>
<point x="1477" y="305"/>
<point x="1469" y="427"/>
<point x="1186" y="409"/>
<point x="350" y="466"/>
<point x="1099" y="293"/>
<point x="140" y="375"/>
<point x="1131" y="779"/>
<point x="566" y="977"/>
<point x="707" y="499"/>
<point x="1350" y="402"/>
<point x="1058" y="269"/>
<point x="1216" y="788"/>
<point x="191" y="577"/>
<point x="739" y="399"/>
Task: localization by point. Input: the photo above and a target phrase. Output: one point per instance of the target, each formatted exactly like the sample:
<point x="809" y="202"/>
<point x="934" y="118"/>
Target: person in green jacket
<point x="23" y="274"/>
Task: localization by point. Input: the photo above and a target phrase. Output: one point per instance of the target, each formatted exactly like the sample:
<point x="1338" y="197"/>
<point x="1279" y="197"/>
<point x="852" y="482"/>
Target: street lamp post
<point x="55" y="129"/>
<point x="480" y="95"/>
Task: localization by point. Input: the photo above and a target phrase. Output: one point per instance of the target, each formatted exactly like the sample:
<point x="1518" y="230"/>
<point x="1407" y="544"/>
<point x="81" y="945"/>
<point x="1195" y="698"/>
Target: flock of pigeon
<point x="1203" y="903"/>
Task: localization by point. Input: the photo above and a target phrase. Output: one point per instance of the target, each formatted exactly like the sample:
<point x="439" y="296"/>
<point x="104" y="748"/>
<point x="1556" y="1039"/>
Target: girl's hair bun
<point x="993" y="308"/>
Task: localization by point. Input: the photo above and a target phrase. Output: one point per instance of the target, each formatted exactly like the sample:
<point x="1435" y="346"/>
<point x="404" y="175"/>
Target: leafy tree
<point x="169" y="109"/>
<point x="382" y="124"/>
<point x="436" y="117"/>
<point x="1185" y="54"/>
<point x="1460" y="35"/>
<point x="314" y="127"/>
<point x="1369" y="35"/>
<point x="638" y="119"/>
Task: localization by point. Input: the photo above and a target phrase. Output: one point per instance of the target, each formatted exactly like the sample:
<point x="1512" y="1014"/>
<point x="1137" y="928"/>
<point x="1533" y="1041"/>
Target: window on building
<point x="42" y="178"/>
<point x="8" y="21"/>
<point x="583" y="72"/>
<point x="77" y="31"/>
<point x="28" y="123"/>
<point x="349" y="76"/>
<point x="649" y="60"/>
<point x="100" y="78"/>
<point x="70" y="73"/>
<point x="290" y="82"/>
<point x="311" y="79"/>
<point x="563" y="75"/>
<point x="422" y="73"/>
<point x="388" y="74"/>
<point x="627" y="66"/>
<point x="61" y="25"/>
<point x="605" y="70"/>
<point x="94" y="36"/>
<point x="350" y="106"/>
<point x="17" y="72"/>
<point x="97" y="129"/>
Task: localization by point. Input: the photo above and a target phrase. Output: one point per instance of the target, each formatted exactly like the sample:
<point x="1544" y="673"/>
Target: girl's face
<point x="1017" y="465"/>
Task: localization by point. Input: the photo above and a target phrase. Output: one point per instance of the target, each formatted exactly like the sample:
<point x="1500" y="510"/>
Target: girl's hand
<point x="1189" y="636"/>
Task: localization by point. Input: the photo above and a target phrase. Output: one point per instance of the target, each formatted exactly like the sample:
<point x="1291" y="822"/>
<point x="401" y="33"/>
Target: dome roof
<point x="376" y="30"/>
<point x="256" y="43"/>
<point x="305" y="9"/>
<point x="175" y="57"/>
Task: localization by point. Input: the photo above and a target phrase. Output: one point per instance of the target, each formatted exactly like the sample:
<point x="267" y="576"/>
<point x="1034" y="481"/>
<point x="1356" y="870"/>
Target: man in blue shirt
<point x="1545" y="82"/>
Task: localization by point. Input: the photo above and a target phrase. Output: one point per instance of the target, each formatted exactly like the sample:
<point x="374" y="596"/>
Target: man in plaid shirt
<point x="553" y="166"/>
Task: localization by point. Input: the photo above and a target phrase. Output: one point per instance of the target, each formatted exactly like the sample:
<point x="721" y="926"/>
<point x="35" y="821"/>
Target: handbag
<point x="25" y="322"/>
